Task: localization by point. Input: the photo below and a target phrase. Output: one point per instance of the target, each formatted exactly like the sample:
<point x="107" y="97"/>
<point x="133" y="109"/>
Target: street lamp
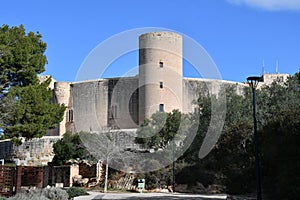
<point x="253" y="82"/>
<point x="174" y="164"/>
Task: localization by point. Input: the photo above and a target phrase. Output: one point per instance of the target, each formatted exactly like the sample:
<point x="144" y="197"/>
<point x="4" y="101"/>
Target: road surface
<point x="149" y="196"/>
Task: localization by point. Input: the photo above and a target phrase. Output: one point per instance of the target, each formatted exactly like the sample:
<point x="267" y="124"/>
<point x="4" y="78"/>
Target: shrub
<point x="45" y="194"/>
<point x="76" y="191"/>
<point x="55" y="193"/>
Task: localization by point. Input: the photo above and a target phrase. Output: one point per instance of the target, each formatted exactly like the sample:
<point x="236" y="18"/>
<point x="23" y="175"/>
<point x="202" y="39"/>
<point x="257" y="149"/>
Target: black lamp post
<point x="174" y="164"/>
<point x="253" y="82"/>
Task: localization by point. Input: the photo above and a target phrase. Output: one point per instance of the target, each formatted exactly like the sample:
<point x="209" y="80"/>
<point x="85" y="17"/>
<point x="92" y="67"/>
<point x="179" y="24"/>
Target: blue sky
<point x="238" y="34"/>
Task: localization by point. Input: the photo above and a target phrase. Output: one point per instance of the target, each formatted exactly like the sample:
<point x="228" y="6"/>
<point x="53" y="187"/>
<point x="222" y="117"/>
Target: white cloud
<point x="270" y="4"/>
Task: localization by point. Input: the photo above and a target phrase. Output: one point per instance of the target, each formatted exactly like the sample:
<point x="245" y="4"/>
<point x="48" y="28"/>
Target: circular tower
<point x="62" y="96"/>
<point x="160" y="73"/>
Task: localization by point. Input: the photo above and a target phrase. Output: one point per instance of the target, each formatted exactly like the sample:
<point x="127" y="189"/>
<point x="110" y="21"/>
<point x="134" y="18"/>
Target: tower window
<point x="161" y="107"/>
<point x="70" y="116"/>
<point x="161" y="64"/>
<point x="161" y="85"/>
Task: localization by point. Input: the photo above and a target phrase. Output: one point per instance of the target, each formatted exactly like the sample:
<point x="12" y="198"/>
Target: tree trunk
<point x="106" y="175"/>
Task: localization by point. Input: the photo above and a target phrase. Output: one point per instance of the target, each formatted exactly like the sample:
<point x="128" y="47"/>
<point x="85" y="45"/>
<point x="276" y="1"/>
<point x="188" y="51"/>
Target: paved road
<point x="149" y="196"/>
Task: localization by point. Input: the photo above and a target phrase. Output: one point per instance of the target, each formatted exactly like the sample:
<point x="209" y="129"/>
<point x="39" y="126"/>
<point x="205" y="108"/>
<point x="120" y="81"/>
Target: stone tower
<point x="62" y="96"/>
<point x="160" y="73"/>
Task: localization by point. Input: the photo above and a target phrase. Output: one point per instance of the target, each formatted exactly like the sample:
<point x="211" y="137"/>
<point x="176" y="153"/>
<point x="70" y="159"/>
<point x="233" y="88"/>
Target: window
<point x="161" y="107"/>
<point x="113" y="112"/>
<point x="70" y="116"/>
<point x="161" y="85"/>
<point x="161" y="64"/>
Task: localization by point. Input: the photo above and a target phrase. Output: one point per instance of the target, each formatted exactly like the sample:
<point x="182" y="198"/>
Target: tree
<point x="203" y="116"/>
<point x="26" y="106"/>
<point x="21" y="57"/>
<point x="234" y="154"/>
<point x="272" y="99"/>
<point x="158" y="131"/>
<point x="231" y="157"/>
<point x="69" y="147"/>
<point x="281" y="155"/>
<point x="230" y="164"/>
<point x="103" y="146"/>
<point x="29" y="111"/>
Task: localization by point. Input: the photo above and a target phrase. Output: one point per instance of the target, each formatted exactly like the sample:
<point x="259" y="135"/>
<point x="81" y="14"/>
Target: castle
<point x="124" y="103"/>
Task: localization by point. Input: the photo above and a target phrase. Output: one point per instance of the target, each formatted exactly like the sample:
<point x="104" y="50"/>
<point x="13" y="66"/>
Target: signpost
<point x="141" y="185"/>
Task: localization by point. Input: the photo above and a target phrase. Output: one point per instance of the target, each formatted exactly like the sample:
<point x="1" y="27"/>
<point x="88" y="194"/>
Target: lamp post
<point x="174" y="164"/>
<point x="253" y="82"/>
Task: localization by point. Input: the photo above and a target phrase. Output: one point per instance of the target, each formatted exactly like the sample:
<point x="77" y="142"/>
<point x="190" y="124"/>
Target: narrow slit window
<point x="161" y="64"/>
<point x="161" y="85"/>
<point x="70" y="115"/>
<point x="161" y="107"/>
<point x="114" y="112"/>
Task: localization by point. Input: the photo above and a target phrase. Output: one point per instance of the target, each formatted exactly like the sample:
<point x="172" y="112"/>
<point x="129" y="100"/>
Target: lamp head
<point x="253" y="80"/>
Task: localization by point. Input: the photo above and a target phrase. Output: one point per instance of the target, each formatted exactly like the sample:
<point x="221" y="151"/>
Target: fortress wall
<point x="105" y="103"/>
<point x="123" y="103"/>
<point x="37" y="151"/>
<point x="89" y="105"/>
<point x="193" y="88"/>
<point x="269" y="78"/>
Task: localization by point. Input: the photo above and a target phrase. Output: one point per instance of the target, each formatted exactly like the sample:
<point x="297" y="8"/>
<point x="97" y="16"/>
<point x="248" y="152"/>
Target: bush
<point x="76" y="191"/>
<point x="45" y="194"/>
<point x="32" y="195"/>
<point x="55" y="193"/>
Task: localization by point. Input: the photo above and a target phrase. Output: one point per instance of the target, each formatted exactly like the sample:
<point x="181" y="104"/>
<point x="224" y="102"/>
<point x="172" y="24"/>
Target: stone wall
<point x="35" y="152"/>
<point x="89" y="102"/>
<point x="123" y="102"/>
<point x="98" y="104"/>
<point x="269" y="78"/>
<point x="103" y="103"/>
<point x="193" y="88"/>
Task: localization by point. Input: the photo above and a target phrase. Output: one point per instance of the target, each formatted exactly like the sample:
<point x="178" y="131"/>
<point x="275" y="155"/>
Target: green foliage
<point x="238" y="107"/>
<point x="21" y="57"/>
<point x="234" y="154"/>
<point x="231" y="162"/>
<point x="203" y="116"/>
<point x="26" y="107"/>
<point x="69" y="147"/>
<point x="75" y="192"/>
<point x="281" y="155"/>
<point x="278" y="96"/>
<point x="160" y="130"/>
<point x="16" y="141"/>
<point x="161" y="178"/>
<point x="31" y="112"/>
